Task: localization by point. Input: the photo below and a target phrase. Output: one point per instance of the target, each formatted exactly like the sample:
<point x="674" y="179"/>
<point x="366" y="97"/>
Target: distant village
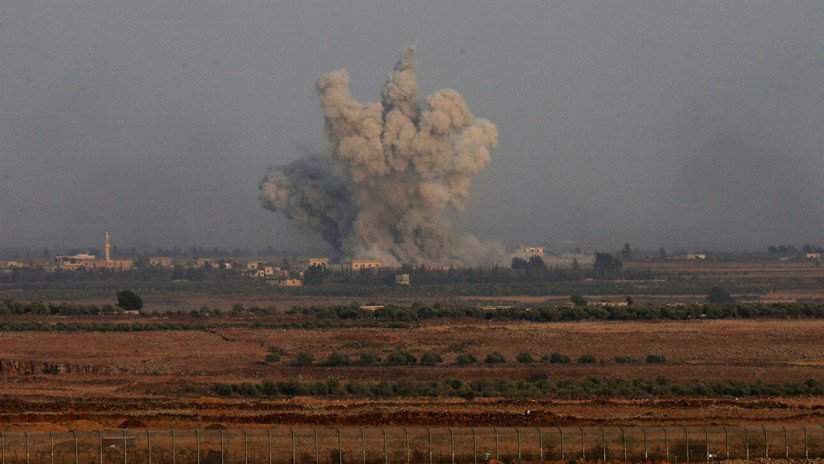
<point x="289" y="272"/>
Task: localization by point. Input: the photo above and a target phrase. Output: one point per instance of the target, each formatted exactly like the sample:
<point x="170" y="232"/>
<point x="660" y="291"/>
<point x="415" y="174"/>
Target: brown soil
<point x="108" y="379"/>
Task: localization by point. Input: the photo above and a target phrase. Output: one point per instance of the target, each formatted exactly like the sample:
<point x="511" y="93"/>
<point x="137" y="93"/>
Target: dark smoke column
<point x="392" y="171"/>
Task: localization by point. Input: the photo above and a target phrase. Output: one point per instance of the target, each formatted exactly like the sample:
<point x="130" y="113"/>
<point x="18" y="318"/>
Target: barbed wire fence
<point x="418" y="445"/>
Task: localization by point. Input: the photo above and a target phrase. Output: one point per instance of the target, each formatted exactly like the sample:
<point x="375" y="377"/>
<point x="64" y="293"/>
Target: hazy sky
<point x="676" y="124"/>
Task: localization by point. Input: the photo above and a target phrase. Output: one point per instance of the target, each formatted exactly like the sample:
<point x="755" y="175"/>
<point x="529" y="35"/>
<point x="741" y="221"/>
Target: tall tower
<point x="108" y="249"/>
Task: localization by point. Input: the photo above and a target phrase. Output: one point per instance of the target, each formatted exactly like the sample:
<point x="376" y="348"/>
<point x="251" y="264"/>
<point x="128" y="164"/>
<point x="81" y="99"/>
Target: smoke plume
<point x="393" y="171"/>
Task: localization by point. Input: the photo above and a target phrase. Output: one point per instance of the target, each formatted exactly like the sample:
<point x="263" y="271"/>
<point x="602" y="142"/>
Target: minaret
<point x="108" y="249"/>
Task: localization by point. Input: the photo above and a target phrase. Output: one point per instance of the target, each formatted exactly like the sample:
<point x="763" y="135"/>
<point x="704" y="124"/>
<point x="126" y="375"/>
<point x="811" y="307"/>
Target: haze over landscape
<point x="687" y="124"/>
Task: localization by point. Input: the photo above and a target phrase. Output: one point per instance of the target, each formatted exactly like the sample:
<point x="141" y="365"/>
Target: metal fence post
<point x="100" y="440"/>
<point x="747" y="442"/>
<point x="385" y="455"/>
<point x="3" y="449"/>
<point x="452" y="444"/>
<point x="245" y="447"/>
<point x="148" y="447"/>
<point x="317" y="449"/>
<point x="174" y="447"/>
<point x="727" y="442"/>
<point x="497" y="454"/>
<point x="125" y="448"/>
<point x="363" y="445"/>
<point x="26" y="435"/>
<point x="406" y="440"/>
<point x="76" y="454"/>
<point x="269" y="446"/>
<point x="340" y="449"/>
<point x="707" y="442"/>
<point x="624" y="439"/>
<point x="583" y="451"/>
<point x="518" y="440"/>
<point x="429" y="440"/>
<point x="786" y="447"/>
<point x="540" y="443"/>
<point x="51" y="446"/>
<point x="806" y="448"/>
<point x="474" y="447"/>
<point x="603" y="443"/>
<point x="666" y="443"/>
<point x="197" y="444"/>
<point x="221" y="447"/>
<point x="292" y="434"/>
<point x="561" y="432"/>
<point x="646" y="453"/>
<point x="766" y="443"/>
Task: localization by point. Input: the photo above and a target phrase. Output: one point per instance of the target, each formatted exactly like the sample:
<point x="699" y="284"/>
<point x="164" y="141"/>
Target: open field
<point x="63" y="380"/>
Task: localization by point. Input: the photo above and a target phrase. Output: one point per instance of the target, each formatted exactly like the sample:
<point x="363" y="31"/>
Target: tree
<point x="519" y="263"/>
<point x="304" y="359"/>
<point x="537" y="263"/>
<point x="466" y="358"/>
<point x="399" y="358"/>
<point x="430" y="359"/>
<point x="494" y="358"/>
<point x="129" y="300"/>
<point x="626" y="252"/>
<point x="606" y="265"/>
<point x="718" y="295"/>
<point x="525" y="358"/>
<point x="369" y="359"/>
<point x="577" y="300"/>
<point x="337" y="359"/>
<point x="314" y="275"/>
<point x="662" y="253"/>
<point x="586" y="359"/>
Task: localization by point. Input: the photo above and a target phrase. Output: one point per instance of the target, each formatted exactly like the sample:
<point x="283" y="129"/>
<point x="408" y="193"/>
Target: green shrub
<point x="430" y="359"/>
<point x="337" y="359"/>
<point x="623" y="359"/>
<point x="129" y="300"/>
<point x="655" y="359"/>
<point x="586" y="359"/>
<point x="525" y="358"/>
<point x="369" y="359"/>
<point x="400" y="358"/>
<point x="222" y="389"/>
<point x="578" y="300"/>
<point x="272" y="358"/>
<point x="558" y="358"/>
<point x="494" y="358"/>
<point x="304" y="359"/>
<point x="466" y="359"/>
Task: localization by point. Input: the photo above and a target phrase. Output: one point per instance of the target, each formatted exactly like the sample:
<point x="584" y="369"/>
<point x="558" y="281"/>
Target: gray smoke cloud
<point x="393" y="171"/>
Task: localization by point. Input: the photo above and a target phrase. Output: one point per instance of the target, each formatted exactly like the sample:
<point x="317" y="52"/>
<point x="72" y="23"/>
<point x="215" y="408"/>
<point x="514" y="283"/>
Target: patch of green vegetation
<point x="512" y="388"/>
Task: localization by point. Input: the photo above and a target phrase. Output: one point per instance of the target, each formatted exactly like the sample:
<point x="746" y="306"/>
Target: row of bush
<point x="323" y="316"/>
<point x="405" y="358"/>
<point x="511" y="388"/>
<point x="633" y="311"/>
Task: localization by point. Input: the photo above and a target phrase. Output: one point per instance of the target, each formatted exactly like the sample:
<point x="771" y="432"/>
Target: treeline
<point x="36" y="326"/>
<point x="418" y="312"/>
<point x="421" y="276"/>
<point x="510" y="388"/>
<point x="62" y="309"/>
<point x="355" y="315"/>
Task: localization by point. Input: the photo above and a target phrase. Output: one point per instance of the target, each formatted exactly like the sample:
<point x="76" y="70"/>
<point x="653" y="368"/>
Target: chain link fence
<point x="394" y="445"/>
